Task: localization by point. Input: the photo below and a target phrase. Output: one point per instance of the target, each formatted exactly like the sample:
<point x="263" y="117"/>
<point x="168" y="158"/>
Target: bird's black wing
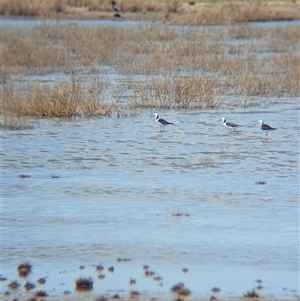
<point x="162" y="121"/>
<point x="233" y="125"/>
<point x="267" y="127"/>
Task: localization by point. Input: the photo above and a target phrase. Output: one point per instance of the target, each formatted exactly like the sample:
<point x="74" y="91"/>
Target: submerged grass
<point x="15" y="123"/>
<point x="66" y="99"/>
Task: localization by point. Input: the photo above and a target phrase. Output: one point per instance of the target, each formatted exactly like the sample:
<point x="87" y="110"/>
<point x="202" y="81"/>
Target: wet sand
<point x="142" y="296"/>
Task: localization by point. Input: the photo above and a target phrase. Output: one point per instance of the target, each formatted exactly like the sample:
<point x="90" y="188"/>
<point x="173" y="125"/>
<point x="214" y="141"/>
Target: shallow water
<point x="108" y="188"/>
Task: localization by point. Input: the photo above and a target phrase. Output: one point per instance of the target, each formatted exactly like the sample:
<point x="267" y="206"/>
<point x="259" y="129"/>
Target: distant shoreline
<point x="169" y="12"/>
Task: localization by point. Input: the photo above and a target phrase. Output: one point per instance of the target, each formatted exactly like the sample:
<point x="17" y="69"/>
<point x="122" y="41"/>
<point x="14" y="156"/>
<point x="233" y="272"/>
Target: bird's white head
<point x="223" y="119"/>
<point x="260" y="122"/>
<point x="156" y="115"/>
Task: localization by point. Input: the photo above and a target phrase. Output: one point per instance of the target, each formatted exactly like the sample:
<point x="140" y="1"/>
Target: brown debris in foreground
<point x="84" y="284"/>
<point x="251" y="294"/>
<point x="41" y="281"/>
<point x="24" y="269"/>
<point x="13" y="285"/>
<point x="180" y="289"/>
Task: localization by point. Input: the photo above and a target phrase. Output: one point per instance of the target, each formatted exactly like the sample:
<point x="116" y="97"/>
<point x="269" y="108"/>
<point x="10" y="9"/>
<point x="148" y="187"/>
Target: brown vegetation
<point x="189" y="68"/>
<point x="13" y="285"/>
<point x="24" y="269"/>
<point x="169" y="92"/>
<point x="180" y="289"/>
<point x="41" y="293"/>
<point x="41" y="281"/>
<point x="173" y="11"/>
<point x="29" y="286"/>
<point x="251" y="294"/>
<point x="67" y="99"/>
<point x="84" y="284"/>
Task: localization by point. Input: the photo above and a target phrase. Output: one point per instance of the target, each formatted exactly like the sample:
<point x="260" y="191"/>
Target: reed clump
<point x="84" y="284"/>
<point x="13" y="285"/>
<point x="178" y="93"/>
<point x="251" y="294"/>
<point x="66" y="99"/>
<point x="41" y="293"/>
<point x="29" y="286"/>
<point x="180" y="289"/>
<point x="24" y="269"/>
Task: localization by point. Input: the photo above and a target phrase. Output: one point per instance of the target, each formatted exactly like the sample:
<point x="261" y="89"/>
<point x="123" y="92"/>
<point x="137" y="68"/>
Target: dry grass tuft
<point x="166" y="93"/>
<point x="41" y="281"/>
<point x="134" y="293"/>
<point x="24" y="269"/>
<point x="41" y="293"/>
<point x="13" y="285"/>
<point x="251" y="294"/>
<point x="67" y="99"/>
<point x="84" y="284"/>
<point x="177" y="287"/>
<point x="29" y="286"/>
<point x="99" y="267"/>
<point x="181" y="290"/>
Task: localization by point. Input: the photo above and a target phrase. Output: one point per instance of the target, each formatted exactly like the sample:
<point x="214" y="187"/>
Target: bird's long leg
<point x="267" y="135"/>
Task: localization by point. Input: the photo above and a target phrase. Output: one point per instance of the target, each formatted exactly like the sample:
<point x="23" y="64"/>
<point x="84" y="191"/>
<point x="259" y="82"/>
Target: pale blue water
<point x="120" y="182"/>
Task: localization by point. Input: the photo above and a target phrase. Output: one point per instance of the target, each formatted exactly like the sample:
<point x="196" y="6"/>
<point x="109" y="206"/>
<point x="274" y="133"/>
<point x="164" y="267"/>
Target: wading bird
<point x="116" y="7"/>
<point x="231" y="126"/>
<point x="162" y="122"/>
<point x="265" y="127"/>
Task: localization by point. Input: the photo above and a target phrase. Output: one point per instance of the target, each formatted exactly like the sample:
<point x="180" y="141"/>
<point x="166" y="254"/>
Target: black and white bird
<point x="231" y="126"/>
<point x="116" y="7"/>
<point x="265" y="127"/>
<point x="162" y="122"/>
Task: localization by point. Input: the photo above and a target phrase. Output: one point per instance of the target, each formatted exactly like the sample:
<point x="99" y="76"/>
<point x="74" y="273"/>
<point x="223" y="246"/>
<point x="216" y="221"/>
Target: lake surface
<point x="224" y="206"/>
<point x="121" y="182"/>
